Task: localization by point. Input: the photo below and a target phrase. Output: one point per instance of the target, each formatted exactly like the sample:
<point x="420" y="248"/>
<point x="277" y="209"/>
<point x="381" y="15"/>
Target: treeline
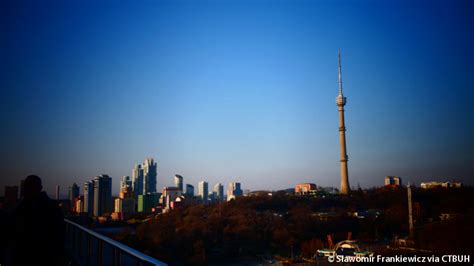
<point x="252" y="227"/>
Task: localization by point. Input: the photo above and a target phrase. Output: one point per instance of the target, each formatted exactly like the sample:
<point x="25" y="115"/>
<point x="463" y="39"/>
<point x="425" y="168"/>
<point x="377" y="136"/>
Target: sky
<point x="236" y="91"/>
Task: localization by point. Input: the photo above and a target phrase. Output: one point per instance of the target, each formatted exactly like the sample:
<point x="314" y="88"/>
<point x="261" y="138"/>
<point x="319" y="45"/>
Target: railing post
<point x="73" y="241"/>
<point x="119" y="257"/>
<point x="66" y="228"/>
<point x="89" y="249"/>
<point x="70" y="236"/>
<point x="113" y="256"/>
<point x="116" y="256"/>
<point x="100" y="248"/>
<point x="79" y="240"/>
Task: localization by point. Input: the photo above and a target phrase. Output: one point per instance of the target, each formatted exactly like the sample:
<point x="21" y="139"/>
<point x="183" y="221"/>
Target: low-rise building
<point x="304" y="188"/>
<point x="393" y="181"/>
<point x="147" y="202"/>
<point x="436" y="184"/>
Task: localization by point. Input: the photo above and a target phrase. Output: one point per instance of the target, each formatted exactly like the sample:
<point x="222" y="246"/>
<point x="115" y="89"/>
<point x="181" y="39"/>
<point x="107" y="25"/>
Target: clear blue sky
<point x="236" y="90"/>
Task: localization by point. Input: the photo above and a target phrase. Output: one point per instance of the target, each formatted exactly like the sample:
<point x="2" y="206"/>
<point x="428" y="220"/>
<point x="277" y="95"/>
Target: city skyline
<point x="239" y="91"/>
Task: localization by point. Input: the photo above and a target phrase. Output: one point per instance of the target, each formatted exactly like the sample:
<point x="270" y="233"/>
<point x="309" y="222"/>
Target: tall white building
<point x="178" y="182"/>
<point x="203" y="190"/>
<point x="118" y="205"/>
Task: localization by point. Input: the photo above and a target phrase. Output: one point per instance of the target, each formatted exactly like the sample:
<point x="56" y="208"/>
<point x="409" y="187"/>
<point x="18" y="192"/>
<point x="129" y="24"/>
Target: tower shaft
<point x="410" y="212"/>
<point x="342" y="139"/>
<point x="341" y="102"/>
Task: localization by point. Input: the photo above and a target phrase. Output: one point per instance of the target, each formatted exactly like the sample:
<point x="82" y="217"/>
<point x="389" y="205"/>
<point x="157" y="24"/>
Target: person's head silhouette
<point x="32" y="187"/>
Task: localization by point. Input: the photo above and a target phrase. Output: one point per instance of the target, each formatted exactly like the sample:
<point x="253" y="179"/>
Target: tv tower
<point x="341" y="101"/>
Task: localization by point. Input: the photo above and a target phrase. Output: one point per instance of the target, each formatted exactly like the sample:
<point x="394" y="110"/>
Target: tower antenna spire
<point x="340" y="70"/>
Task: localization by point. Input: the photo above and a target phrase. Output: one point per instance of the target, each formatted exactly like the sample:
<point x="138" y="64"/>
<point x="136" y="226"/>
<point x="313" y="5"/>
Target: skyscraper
<point x="137" y="179"/>
<point x="149" y="176"/>
<point x="178" y="182"/>
<point x="73" y="193"/>
<point x="126" y="183"/>
<point x="341" y="101"/>
<point x="219" y="190"/>
<point x="203" y="190"/>
<point x="79" y="205"/>
<point x="102" y="195"/>
<point x="126" y="190"/>
<point x="234" y="190"/>
<point x="88" y="197"/>
<point x="190" y="190"/>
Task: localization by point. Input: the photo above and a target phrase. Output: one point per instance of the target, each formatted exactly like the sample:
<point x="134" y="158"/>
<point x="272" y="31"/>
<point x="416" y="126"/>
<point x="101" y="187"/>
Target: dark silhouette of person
<point x="38" y="238"/>
<point x="5" y="229"/>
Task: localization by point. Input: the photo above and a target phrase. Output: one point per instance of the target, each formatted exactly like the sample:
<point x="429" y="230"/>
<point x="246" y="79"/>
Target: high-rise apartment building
<point x="149" y="176"/>
<point x="79" y="204"/>
<point x="102" y="195"/>
<point x="219" y="191"/>
<point x="137" y="179"/>
<point x="144" y="177"/>
<point x="118" y="205"/>
<point x="203" y="190"/>
<point x="88" y="197"/>
<point x="189" y="190"/>
<point x="126" y="188"/>
<point x="125" y="183"/>
<point x="73" y="193"/>
<point x="178" y="182"/>
<point x="234" y="190"/>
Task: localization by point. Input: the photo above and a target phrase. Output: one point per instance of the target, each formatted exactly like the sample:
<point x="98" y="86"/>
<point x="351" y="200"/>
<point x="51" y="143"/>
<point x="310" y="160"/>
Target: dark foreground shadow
<point x="33" y="232"/>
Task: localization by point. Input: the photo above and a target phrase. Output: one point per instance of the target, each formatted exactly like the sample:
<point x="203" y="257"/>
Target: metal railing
<point x="90" y="248"/>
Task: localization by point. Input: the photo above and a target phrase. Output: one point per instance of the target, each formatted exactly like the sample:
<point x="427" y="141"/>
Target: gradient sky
<point x="236" y="90"/>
